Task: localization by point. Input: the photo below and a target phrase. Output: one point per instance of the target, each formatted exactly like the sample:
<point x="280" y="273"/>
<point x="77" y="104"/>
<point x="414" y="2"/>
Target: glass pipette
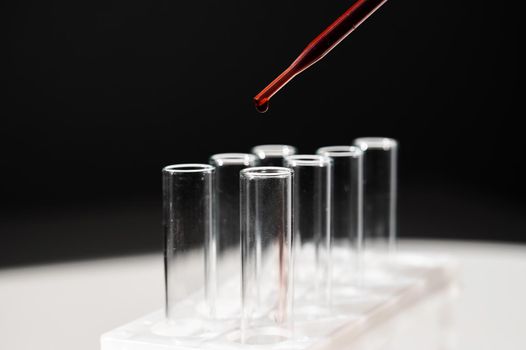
<point x="319" y="47"/>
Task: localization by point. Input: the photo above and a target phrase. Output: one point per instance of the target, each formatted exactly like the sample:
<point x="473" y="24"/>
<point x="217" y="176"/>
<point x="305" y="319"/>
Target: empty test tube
<point x="380" y="191"/>
<point x="227" y="234"/>
<point x="346" y="198"/>
<point x="273" y="155"/>
<point x="312" y="235"/>
<point x="187" y="223"/>
<point x="267" y="256"/>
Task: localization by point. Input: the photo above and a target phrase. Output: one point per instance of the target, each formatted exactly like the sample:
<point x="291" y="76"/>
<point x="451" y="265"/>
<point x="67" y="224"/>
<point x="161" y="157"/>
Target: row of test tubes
<point x="284" y="234"/>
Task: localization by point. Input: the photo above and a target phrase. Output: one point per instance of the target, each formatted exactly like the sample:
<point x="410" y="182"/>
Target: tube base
<point x="408" y="290"/>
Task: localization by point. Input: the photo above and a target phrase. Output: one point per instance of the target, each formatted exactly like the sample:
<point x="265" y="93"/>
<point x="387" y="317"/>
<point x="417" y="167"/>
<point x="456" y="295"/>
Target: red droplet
<point x="261" y="106"/>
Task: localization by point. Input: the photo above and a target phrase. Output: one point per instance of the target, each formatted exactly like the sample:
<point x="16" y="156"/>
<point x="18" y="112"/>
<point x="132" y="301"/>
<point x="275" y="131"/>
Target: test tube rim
<point x="382" y="143"/>
<point x="233" y="158"/>
<point x="273" y="150"/>
<point x="308" y="160"/>
<point x="266" y="172"/>
<point x="189" y="168"/>
<point x="340" y="151"/>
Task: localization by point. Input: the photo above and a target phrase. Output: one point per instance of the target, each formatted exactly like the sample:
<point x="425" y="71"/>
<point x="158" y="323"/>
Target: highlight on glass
<point x="267" y="254"/>
<point x="273" y="155"/>
<point x="312" y="234"/>
<point x="347" y="201"/>
<point x="380" y="192"/>
<point x="227" y="261"/>
<point x="187" y="223"/>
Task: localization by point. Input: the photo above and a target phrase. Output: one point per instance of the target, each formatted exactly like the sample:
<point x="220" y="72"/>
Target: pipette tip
<point x="261" y="105"/>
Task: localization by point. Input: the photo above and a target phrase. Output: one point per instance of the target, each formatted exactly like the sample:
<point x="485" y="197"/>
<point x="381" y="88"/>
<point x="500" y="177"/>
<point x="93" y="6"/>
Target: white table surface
<point x="67" y="306"/>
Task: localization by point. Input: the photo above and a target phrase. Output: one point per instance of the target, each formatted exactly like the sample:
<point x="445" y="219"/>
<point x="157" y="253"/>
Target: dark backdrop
<point x="101" y="95"/>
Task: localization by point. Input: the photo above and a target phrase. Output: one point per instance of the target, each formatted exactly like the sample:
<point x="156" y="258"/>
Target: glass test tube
<point x="346" y="198"/>
<point x="267" y="256"/>
<point x="273" y="155"/>
<point x="227" y="260"/>
<point x="380" y="190"/>
<point x="187" y="223"/>
<point x="312" y="235"/>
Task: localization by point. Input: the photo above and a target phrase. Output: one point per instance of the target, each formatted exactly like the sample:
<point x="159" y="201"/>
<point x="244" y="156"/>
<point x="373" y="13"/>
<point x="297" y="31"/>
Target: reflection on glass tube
<point x="273" y="155"/>
<point x="267" y="256"/>
<point x="346" y="197"/>
<point x="380" y="189"/>
<point x="227" y="261"/>
<point x="187" y="222"/>
<point x="312" y="235"/>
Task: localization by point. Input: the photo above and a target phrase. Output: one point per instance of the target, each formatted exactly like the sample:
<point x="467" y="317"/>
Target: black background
<point x="101" y="95"/>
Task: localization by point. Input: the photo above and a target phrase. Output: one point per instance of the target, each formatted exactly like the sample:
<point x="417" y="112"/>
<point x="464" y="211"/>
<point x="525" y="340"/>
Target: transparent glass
<point x="380" y="191"/>
<point x="267" y="256"/>
<point x="346" y="198"/>
<point x="227" y="261"/>
<point x="273" y="155"/>
<point x="312" y="234"/>
<point x="187" y="224"/>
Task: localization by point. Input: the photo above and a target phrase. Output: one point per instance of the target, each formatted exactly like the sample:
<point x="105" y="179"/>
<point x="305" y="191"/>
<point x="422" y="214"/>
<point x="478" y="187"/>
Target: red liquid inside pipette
<point x="319" y="47"/>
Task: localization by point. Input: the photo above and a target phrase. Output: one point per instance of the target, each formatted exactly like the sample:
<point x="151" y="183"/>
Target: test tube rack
<point x="374" y="311"/>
